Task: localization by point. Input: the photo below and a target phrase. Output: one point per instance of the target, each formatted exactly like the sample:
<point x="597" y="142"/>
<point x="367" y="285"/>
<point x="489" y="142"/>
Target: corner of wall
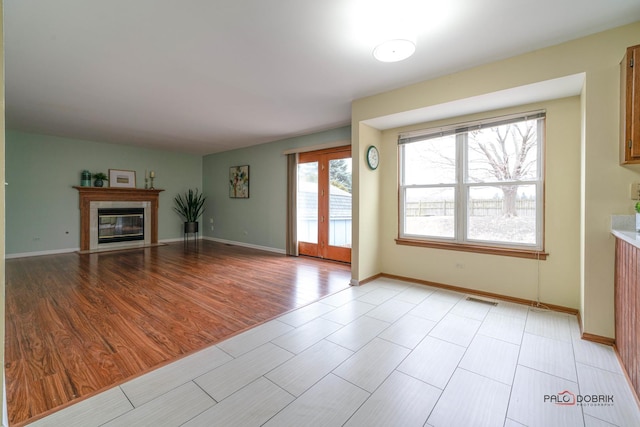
<point x="366" y="207"/>
<point x="583" y="184"/>
<point x="3" y="393"/>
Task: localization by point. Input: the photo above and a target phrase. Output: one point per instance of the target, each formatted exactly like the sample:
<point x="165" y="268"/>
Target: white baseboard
<point x="40" y="253"/>
<point x="246" y="245"/>
<point x="178" y="239"/>
<point x="66" y="251"/>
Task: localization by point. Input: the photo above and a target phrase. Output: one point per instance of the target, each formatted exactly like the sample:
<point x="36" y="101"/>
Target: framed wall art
<point x="239" y="182"/>
<point x="122" y="178"/>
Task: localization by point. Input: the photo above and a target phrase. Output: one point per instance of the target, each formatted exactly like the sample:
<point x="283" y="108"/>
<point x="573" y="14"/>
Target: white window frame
<point x="461" y="187"/>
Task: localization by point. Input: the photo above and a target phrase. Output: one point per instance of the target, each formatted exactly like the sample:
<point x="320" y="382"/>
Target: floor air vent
<point x="482" y="301"/>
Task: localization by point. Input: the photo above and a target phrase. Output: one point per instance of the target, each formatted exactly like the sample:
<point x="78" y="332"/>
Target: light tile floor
<point x="388" y="353"/>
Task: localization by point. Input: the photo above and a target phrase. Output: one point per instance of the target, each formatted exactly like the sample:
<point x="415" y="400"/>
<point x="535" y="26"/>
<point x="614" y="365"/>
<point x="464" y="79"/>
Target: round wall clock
<point x="373" y="157"/>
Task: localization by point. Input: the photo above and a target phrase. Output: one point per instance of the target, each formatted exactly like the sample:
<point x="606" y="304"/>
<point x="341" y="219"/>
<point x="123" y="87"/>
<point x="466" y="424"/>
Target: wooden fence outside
<point x="490" y="207"/>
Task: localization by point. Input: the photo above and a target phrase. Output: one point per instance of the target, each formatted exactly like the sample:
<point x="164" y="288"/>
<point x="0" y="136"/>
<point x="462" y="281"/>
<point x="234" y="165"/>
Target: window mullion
<point x="461" y="189"/>
<point x="430" y="186"/>
<point x="540" y="134"/>
<point x="502" y="183"/>
<point x="402" y="211"/>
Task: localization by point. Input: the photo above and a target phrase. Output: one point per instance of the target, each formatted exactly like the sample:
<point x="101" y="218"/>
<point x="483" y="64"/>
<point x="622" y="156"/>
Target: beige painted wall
<point x="558" y="276"/>
<point x="604" y="182"/>
<point x="366" y="206"/>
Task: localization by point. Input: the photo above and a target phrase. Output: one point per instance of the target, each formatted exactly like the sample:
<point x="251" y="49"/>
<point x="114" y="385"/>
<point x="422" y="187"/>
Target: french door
<point x="324" y="204"/>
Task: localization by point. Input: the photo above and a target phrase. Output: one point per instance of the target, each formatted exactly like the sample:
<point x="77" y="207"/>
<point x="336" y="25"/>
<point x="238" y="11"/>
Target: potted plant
<point x="637" y="216"/>
<point x="190" y="207"/>
<point x="98" y="178"/>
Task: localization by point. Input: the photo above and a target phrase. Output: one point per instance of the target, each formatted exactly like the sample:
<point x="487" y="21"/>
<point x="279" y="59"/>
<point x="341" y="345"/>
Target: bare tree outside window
<point x="504" y="153"/>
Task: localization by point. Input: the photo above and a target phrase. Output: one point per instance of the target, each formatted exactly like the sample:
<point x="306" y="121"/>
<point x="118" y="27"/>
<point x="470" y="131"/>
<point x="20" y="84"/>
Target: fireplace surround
<point x="91" y="199"/>
<point x="114" y="214"/>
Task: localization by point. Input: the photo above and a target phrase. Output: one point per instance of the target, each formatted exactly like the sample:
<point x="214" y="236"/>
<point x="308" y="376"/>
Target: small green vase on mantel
<point x="99" y="178"/>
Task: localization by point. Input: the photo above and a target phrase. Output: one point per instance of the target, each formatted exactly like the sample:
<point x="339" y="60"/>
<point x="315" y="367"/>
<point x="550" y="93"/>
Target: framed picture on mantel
<point x="239" y="182"/>
<point x="122" y="178"/>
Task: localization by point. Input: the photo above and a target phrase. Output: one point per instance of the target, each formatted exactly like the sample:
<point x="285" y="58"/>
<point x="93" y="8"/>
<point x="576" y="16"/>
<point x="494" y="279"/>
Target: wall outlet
<point x="634" y="191"/>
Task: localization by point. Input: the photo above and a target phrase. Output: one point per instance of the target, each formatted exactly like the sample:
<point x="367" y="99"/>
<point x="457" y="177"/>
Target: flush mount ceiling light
<point x="394" y="50"/>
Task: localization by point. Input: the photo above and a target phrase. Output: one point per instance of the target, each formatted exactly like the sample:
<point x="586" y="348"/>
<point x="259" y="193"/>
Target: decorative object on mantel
<point x="637" y="216"/>
<point x="190" y="208"/>
<point x="85" y="178"/>
<point x="122" y="178"/>
<point x="152" y="175"/>
<point x="239" y="182"/>
<point x="99" y="177"/>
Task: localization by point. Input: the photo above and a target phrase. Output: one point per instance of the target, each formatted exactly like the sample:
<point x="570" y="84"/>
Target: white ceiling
<point x="205" y="76"/>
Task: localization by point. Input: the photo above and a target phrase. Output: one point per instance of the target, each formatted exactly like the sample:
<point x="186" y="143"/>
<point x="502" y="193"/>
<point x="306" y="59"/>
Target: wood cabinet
<point x="630" y="106"/>
<point x="627" y="309"/>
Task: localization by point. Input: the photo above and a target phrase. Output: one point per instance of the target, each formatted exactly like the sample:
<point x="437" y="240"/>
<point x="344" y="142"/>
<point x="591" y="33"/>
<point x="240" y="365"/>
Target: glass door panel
<point x="308" y="202"/>
<point x="340" y="202"/>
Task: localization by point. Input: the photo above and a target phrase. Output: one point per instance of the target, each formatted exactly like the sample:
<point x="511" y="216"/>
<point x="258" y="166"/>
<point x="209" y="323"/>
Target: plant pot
<point x="637" y="221"/>
<point x="191" y="227"/>
<point x="98" y="183"/>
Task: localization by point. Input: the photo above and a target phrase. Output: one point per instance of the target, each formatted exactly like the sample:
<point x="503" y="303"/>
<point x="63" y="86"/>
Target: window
<point x="475" y="186"/>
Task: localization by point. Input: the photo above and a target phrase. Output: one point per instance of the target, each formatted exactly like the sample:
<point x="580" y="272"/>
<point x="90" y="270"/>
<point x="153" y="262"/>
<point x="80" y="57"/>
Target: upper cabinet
<point x="630" y="107"/>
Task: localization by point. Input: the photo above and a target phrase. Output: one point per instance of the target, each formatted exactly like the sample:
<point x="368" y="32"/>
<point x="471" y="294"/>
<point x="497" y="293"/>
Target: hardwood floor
<point x="78" y="324"/>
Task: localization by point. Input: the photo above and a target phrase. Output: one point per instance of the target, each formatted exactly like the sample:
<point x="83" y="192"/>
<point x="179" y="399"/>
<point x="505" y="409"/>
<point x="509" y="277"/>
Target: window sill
<point x="491" y="250"/>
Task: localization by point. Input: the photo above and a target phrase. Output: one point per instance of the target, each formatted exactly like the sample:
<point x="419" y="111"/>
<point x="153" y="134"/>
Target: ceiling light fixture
<point x="394" y="50"/>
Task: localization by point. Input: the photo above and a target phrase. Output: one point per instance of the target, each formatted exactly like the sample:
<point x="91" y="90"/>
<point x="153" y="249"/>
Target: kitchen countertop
<point x="623" y="227"/>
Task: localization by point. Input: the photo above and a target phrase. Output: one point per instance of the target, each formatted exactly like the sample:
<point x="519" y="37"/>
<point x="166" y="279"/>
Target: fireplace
<point x="120" y="225"/>
<point x="131" y="208"/>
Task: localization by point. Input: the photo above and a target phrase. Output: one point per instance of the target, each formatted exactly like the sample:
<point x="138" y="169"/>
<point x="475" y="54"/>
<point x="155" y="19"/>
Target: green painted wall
<point x="42" y="207"/>
<point x="259" y="220"/>
<point x="4" y="417"/>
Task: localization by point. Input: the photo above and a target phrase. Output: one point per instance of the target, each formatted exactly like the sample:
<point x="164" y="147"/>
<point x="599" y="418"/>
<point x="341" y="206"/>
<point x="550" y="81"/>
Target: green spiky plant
<point x="638" y="207"/>
<point x="191" y="206"/>
<point x="101" y="176"/>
